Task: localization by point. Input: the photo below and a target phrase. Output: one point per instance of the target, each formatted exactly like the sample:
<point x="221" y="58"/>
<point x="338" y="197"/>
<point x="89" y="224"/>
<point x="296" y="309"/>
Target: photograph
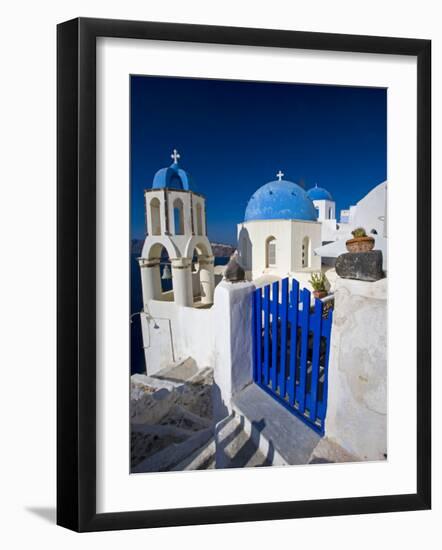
<point x="258" y="274"/>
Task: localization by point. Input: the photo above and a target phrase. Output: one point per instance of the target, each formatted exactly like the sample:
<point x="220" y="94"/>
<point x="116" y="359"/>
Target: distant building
<point x="345" y="214"/>
<point x="323" y="202"/>
<point x="371" y="214"/>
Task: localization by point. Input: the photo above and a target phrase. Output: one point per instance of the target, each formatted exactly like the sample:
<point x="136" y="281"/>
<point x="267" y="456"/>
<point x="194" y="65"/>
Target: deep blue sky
<point x="234" y="136"/>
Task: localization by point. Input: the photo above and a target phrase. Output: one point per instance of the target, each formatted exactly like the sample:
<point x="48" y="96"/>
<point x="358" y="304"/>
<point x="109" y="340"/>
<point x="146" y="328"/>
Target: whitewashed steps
<point x="234" y="446"/>
<point x="201" y="459"/>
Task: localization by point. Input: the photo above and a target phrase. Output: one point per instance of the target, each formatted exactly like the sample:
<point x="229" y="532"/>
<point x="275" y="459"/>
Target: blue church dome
<point x="319" y="194"/>
<point x="280" y="199"/>
<point x="172" y="177"/>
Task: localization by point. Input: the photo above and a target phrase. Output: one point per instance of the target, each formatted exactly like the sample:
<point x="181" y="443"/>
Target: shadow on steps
<point x="237" y="449"/>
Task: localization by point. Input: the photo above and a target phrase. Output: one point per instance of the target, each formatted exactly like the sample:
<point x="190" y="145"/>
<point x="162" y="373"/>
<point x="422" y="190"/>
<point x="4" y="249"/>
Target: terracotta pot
<point x="360" y="244"/>
<point x="320" y="293"/>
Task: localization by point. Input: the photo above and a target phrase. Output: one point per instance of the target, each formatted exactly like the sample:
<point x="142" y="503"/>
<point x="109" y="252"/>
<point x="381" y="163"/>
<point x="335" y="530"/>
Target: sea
<point x="137" y="362"/>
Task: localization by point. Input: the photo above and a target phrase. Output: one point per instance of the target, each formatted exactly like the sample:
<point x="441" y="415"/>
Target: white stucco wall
<point x="370" y="211"/>
<point x="330" y="231"/>
<point x="357" y="388"/>
<point x="289" y="234"/>
<point x="326" y="209"/>
<point x="220" y="337"/>
<point x="183" y="332"/>
<point x="233" y="340"/>
<point x="299" y="230"/>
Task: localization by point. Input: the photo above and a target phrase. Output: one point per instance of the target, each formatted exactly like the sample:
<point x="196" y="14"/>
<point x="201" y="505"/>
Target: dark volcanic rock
<point x="234" y="272"/>
<point x="364" y="266"/>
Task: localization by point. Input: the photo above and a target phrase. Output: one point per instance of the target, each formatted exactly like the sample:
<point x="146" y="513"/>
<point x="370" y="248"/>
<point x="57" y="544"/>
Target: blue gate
<point x="291" y="349"/>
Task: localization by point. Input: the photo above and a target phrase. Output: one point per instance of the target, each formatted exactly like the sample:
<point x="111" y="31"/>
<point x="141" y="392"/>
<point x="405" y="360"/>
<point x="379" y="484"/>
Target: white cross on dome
<point x="175" y="156"/>
<point x="279" y="175"/>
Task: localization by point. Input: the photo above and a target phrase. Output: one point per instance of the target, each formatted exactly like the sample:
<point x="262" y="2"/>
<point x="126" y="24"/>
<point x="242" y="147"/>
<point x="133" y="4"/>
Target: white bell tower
<point x="323" y="202"/>
<point x="176" y="222"/>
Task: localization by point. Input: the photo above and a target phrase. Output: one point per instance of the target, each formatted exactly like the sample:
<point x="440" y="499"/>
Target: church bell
<point x="166" y="273"/>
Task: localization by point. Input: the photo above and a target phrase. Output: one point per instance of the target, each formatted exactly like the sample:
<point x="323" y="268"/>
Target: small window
<point x="305" y="252"/>
<point x="271" y="252"/>
<point x="330" y="213"/>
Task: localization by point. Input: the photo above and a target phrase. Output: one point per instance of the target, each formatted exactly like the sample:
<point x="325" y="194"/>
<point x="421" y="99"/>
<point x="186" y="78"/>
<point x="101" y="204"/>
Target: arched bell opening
<point x="155" y="217"/>
<point x="156" y="275"/>
<point x="178" y="216"/>
<point x="203" y="279"/>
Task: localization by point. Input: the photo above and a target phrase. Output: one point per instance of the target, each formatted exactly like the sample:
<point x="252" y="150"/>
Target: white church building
<point x="279" y="233"/>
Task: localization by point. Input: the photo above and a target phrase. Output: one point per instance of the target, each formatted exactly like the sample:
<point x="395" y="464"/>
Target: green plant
<point x="318" y="281"/>
<point x="359" y="232"/>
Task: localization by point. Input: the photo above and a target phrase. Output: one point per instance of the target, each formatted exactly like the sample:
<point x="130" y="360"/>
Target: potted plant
<point x="360" y="242"/>
<point x="318" y="282"/>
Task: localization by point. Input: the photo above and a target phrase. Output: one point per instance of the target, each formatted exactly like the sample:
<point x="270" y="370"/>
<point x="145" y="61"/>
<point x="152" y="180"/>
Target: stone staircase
<point x="173" y="428"/>
<point x="171" y="419"/>
<point x="281" y="437"/>
<point x="235" y="447"/>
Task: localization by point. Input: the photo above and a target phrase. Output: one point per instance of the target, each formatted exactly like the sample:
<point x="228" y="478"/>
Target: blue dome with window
<point x="280" y="199"/>
<point x="172" y="177"/>
<point x="319" y="194"/>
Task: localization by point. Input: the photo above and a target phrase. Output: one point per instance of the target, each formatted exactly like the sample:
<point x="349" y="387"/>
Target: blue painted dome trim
<point x="319" y="194"/>
<point x="280" y="200"/>
<point x="171" y="177"/>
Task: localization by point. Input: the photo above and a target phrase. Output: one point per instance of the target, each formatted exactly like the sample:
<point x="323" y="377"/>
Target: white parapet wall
<point x="172" y="333"/>
<point x="233" y="342"/>
<point x="357" y="388"/>
<point x="219" y="337"/>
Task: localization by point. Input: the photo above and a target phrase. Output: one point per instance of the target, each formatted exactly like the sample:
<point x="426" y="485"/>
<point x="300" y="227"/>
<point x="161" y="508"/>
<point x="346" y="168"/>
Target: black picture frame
<point x="76" y="274"/>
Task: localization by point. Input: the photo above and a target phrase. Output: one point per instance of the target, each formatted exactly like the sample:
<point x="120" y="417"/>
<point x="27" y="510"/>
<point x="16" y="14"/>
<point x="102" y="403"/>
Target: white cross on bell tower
<point x="175" y="156"/>
<point x="279" y="175"/>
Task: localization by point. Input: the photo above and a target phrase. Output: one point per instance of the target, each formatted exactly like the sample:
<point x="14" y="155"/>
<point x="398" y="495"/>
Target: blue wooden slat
<point x="326" y="332"/>
<point x="283" y="316"/>
<point x="315" y="324"/>
<point x="274" y="310"/>
<point x="255" y="362"/>
<point x="293" y="314"/>
<point x="266" y="333"/>
<point x="293" y="410"/>
<point x="258" y="334"/>
<point x="304" y="324"/>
